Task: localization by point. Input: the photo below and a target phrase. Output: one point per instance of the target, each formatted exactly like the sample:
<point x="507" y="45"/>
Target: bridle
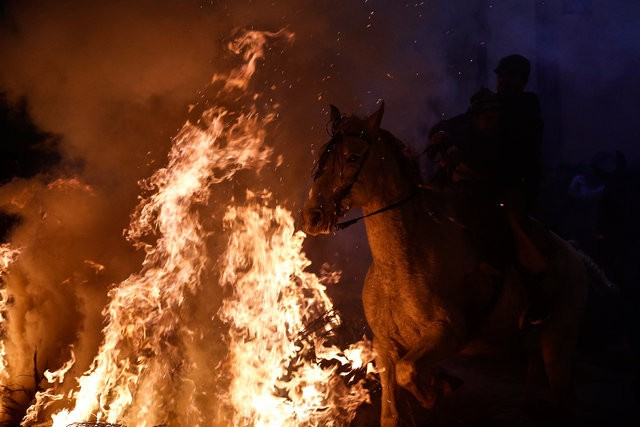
<point x="338" y="198"/>
<point x="338" y="134"/>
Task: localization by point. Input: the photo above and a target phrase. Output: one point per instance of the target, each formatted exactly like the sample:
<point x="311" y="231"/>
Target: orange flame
<point x="273" y="298"/>
<point x="7" y="256"/>
<point x="44" y="399"/>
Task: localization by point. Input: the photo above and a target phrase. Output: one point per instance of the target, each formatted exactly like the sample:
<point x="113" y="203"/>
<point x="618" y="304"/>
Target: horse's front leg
<point x="438" y="342"/>
<point x="386" y="363"/>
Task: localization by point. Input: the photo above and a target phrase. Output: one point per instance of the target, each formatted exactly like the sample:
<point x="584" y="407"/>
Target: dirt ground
<point x="493" y="394"/>
<point x="607" y="389"/>
<point x="606" y="368"/>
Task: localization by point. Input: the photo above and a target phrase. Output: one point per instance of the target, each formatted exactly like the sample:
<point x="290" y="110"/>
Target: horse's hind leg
<point x="439" y="343"/>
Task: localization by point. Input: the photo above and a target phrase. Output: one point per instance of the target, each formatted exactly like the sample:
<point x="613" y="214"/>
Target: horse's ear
<point x="374" y="120"/>
<point x="335" y="113"/>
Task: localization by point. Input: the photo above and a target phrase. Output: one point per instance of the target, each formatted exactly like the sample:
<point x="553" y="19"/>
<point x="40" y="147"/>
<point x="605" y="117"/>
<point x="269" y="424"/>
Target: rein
<point x="344" y="224"/>
<point x="430" y="212"/>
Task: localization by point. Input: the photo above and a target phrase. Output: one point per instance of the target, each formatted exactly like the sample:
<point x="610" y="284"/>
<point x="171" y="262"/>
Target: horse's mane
<point x="407" y="160"/>
<point x="321" y="164"/>
<point x="340" y="126"/>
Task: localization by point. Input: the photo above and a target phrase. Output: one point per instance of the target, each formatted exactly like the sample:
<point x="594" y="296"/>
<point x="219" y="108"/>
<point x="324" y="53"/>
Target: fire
<point x="274" y="300"/>
<point x="44" y="399"/>
<point x="7" y="256"/>
<point x="282" y="367"/>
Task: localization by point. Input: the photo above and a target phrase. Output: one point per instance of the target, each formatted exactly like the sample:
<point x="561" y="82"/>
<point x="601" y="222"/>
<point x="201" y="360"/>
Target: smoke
<point x="114" y="81"/>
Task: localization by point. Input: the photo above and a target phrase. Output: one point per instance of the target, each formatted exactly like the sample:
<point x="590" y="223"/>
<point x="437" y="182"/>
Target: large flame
<point x="280" y="368"/>
<point x="274" y="301"/>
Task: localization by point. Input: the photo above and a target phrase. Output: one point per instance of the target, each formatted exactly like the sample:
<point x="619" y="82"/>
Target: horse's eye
<point x="352" y="158"/>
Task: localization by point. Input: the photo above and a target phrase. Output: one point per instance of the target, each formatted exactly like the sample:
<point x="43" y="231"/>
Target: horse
<point x="425" y="296"/>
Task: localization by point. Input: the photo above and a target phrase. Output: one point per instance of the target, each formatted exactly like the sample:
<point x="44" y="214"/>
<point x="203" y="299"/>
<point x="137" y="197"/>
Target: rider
<point x="521" y="151"/>
<point x="498" y="141"/>
<point x="521" y="128"/>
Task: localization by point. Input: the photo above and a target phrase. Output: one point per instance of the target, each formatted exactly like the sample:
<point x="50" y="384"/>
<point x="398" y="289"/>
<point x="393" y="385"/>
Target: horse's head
<point x="345" y="163"/>
<point x="354" y="167"/>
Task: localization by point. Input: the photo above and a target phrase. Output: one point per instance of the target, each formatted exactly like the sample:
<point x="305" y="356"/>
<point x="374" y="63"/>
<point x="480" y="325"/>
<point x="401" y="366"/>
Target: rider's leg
<point x="529" y="257"/>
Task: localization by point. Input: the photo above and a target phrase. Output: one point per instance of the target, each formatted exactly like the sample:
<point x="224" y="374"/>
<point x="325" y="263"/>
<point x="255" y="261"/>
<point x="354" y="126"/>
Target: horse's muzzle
<point x="316" y="222"/>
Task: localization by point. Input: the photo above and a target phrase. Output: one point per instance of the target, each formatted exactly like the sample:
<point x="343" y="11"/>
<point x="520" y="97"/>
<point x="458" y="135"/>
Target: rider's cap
<point x="514" y="64"/>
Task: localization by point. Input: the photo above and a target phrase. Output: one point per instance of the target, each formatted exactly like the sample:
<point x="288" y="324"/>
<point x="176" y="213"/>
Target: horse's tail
<point x="599" y="281"/>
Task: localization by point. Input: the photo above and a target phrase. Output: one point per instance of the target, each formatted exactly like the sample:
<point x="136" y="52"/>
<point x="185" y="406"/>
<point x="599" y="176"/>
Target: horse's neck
<point x="398" y="235"/>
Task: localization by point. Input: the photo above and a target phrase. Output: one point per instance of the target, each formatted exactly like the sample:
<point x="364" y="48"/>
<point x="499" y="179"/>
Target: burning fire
<point x="274" y="301"/>
<point x="282" y="367"/>
<point x="7" y="256"/>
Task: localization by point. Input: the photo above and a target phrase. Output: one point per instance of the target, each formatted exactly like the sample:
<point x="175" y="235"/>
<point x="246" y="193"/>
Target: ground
<point x="493" y="394"/>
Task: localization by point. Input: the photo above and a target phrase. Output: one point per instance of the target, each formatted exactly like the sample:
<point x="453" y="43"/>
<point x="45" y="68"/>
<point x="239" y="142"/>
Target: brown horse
<point x="424" y="295"/>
